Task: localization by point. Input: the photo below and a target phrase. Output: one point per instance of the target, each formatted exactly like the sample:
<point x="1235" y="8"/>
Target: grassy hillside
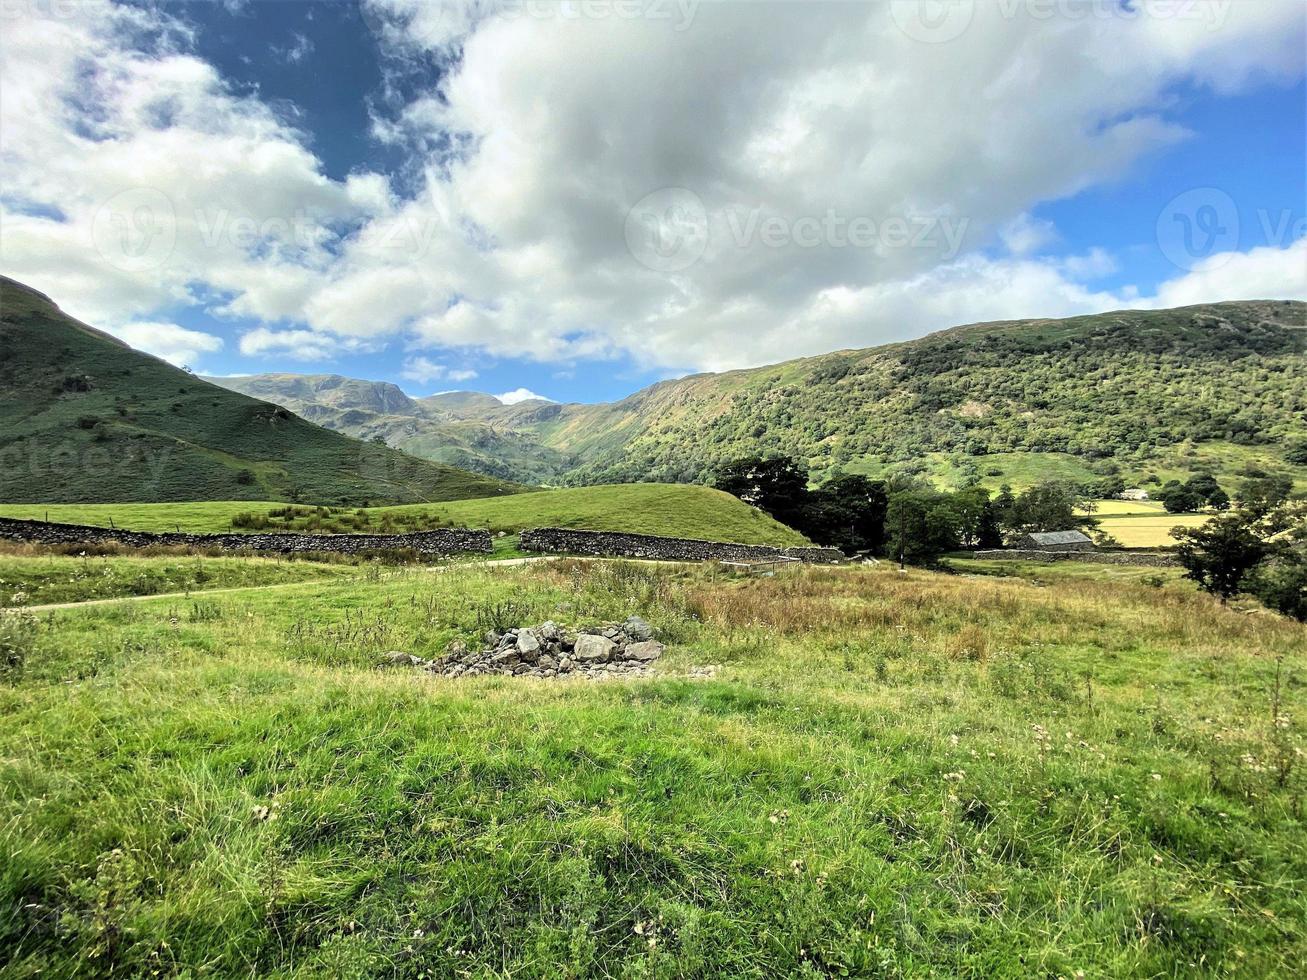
<point x="83" y="417"/>
<point x="885" y="776"/>
<point x="1145" y="394"/>
<point x="665" y="509"/>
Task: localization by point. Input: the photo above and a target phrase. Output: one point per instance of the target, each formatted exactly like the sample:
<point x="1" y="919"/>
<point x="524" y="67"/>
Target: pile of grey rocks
<point x="549" y="650"/>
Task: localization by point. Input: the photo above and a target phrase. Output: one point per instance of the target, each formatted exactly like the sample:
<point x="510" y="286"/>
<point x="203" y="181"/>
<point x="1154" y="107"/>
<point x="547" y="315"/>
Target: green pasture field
<point x="886" y="774"/>
<point x="672" y="510"/>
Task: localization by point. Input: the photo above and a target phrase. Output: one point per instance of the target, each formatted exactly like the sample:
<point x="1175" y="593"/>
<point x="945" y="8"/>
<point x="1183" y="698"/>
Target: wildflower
<point x="797" y="866"/>
<point x="954" y="777"/>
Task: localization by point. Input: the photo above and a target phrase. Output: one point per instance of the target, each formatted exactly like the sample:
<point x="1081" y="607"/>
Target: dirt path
<point x="197" y="593"/>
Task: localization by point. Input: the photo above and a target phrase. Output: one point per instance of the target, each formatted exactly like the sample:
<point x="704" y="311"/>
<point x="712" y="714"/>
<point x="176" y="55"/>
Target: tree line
<point x="904" y="518"/>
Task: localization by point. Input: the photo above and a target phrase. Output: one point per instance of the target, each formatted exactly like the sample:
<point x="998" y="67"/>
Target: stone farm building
<point x="1055" y="541"/>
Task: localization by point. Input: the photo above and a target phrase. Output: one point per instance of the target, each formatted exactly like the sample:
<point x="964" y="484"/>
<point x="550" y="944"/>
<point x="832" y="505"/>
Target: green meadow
<point x="672" y="510"/>
<point x="835" y="772"/>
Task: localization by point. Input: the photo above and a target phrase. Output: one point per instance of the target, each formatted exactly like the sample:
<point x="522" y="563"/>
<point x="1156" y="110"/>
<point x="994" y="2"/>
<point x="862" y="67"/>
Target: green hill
<point x="1221" y="387"/>
<point x="1147" y="395"/>
<point x="672" y="510"/>
<point x="84" y="417"/>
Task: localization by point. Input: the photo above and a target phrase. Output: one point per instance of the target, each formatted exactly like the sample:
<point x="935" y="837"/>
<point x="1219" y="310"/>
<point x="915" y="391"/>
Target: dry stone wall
<point x="443" y="541"/>
<point x="611" y="544"/>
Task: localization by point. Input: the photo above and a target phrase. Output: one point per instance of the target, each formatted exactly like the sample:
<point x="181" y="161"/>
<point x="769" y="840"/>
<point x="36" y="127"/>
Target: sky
<point x="575" y="200"/>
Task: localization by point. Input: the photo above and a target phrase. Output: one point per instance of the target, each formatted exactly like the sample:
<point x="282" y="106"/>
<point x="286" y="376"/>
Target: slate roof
<point x="1059" y="537"/>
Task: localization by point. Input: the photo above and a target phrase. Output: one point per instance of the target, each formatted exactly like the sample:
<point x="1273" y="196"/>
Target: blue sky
<point x="579" y="201"/>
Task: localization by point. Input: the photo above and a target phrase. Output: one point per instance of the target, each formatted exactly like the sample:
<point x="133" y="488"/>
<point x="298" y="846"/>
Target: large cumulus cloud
<point x="805" y="176"/>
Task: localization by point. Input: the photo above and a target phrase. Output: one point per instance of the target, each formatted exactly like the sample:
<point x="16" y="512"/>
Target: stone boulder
<point x="645" y="652"/>
<point x="591" y="649"/>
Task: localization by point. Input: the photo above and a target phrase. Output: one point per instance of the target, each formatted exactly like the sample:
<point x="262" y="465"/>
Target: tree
<point x="1005" y="505"/>
<point x="1181" y="499"/>
<point x="1109" y="488"/>
<point x="1220" y="554"/>
<point x="920" y="526"/>
<point x="977" y="518"/>
<point x="778" y="485"/>
<point x="849" y="513"/>
<point x="1052" y="506"/>
<point x="1281" y="583"/>
<point x="1203" y="484"/>
<point x="1264" y="494"/>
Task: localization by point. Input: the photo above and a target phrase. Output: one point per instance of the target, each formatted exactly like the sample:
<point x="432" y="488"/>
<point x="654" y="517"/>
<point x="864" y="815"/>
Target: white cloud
<point x="172" y="187"/>
<point x="1025" y="234"/>
<point x="299" y="345"/>
<point x="300" y="47"/>
<point x="1263" y="273"/>
<point x="521" y="395"/>
<point x="153" y="175"/>
<point x="174" y="344"/>
<point x="423" y="370"/>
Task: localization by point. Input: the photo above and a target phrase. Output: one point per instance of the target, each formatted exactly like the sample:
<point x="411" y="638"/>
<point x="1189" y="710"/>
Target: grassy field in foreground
<point x="889" y="775"/>
<point x="674" y="510"/>
<point x="40" y="579"/>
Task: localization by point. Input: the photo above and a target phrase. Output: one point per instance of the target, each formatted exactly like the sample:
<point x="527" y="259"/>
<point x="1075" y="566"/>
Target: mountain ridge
<point x="941" y="403"/>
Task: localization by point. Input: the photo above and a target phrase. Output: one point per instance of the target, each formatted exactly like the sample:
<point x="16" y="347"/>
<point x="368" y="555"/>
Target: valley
<point x="1147" y="395"/>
